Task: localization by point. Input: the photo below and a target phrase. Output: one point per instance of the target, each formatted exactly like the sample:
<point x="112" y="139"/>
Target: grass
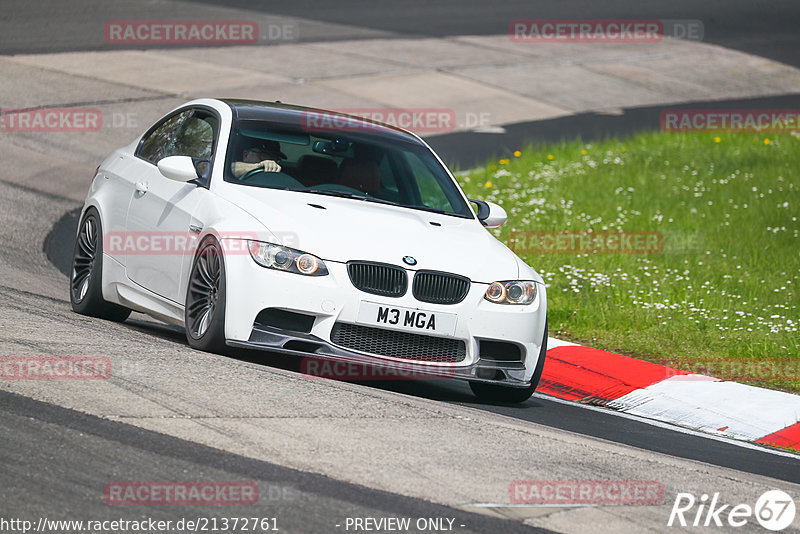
<point x="721" y="298"/>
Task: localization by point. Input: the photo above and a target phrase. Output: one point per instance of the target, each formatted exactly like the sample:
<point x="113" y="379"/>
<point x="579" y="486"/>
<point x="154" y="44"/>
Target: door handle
<point x="141" y="187"/>
<point x="195" y="228"/>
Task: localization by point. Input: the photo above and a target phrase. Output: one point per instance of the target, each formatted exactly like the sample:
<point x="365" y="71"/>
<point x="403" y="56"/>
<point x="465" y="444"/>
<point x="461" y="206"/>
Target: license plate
<point x="407" y="319"/>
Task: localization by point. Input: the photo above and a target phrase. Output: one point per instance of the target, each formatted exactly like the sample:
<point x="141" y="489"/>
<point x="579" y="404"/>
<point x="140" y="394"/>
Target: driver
<point x="262" y="155"/>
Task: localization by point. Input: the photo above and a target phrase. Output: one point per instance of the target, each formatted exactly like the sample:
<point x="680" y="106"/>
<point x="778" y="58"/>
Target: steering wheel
<point x="250" y="174"/>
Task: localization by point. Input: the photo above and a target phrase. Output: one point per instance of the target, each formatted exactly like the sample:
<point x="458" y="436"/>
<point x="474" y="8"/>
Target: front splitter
<point x="371" y="367"/>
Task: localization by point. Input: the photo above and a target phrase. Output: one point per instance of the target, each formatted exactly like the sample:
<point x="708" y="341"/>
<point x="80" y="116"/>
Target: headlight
<point x="514" y="292"/>
<point x="286" y="259"/>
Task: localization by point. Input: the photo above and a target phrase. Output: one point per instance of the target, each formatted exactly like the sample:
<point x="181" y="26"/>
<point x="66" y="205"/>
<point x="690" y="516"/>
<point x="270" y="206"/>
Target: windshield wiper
<point x="347" y="194"/>
<point x="440" y="211"/>
<point x="433" y="210"/>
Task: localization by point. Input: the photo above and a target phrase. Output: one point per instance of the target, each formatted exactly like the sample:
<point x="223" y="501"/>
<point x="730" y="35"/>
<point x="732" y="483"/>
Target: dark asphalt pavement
<point x="57" y="462"/>
<point x="81" y="453"/>
<point x="767" y="29"/>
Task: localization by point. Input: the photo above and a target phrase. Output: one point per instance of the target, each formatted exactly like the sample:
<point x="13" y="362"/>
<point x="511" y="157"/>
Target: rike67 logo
<point x="774" y="510"/>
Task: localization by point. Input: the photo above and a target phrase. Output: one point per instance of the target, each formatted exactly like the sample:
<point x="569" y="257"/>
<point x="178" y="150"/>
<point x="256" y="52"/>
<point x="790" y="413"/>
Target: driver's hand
<point x="270" y="166"/>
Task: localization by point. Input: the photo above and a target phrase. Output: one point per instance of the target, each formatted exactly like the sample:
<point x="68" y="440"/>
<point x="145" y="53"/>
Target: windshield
<point x="354" y="165"/>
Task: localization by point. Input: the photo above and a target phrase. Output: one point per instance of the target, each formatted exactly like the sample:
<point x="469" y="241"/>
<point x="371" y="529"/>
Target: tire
<point x="204" y="313"/>
<point x="86" y="277"/>
<point x="498" y="393"/>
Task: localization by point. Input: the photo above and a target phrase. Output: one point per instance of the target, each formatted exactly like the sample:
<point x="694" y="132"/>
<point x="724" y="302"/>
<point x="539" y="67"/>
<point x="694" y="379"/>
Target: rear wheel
<point x="498" y="393"/>
<point x="85" y="283"/>
<point x="204" y="314"/>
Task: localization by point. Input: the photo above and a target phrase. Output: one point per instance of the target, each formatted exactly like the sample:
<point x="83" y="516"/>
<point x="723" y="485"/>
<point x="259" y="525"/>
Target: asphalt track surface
<point x="540" y="409"/>
<point x="767" y="29"/>
<point x="56" y="460"/>
<point x="467" y="149"/>
<point x="82" y="453"/>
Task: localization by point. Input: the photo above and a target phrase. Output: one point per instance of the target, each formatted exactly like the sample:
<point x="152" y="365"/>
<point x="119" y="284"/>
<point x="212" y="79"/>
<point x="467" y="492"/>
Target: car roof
<point x="291" y="115"/>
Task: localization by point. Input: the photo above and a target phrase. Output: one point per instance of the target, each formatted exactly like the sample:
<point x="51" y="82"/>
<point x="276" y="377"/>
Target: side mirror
<point x="178" y="168"/>
<point x="490" y="214"/>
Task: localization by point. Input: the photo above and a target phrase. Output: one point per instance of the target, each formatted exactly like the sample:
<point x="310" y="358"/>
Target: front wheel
<point x="86" y="278"/>
<point x="498" y="393"/>
<point x="204" y="314"/>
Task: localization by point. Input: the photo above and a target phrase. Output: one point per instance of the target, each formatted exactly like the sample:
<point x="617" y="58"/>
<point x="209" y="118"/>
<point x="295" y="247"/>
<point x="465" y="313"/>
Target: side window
<point x="195" y="137"/>
<point x="157" y="144"/>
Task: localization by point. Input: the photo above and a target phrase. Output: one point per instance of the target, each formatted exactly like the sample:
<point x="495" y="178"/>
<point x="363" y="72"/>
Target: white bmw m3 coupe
<point x="308" y="232"/>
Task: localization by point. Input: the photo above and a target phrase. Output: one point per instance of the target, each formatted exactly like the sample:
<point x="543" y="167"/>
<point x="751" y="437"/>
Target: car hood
<point x="341" y="229"/>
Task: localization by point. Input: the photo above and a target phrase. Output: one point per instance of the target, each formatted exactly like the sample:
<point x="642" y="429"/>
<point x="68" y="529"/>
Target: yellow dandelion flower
<point x="717" y="139"/>
<point x="583" y="152"/>
<point x="517" y="153"/>
<point x="503" y="161"/>
<point x="549" y="156"/>
<point x="488" y="184"/>
<point x="766" y="141"/>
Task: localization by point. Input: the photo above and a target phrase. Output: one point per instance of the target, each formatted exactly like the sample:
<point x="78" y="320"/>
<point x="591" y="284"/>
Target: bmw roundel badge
<point x="409" y="260"/>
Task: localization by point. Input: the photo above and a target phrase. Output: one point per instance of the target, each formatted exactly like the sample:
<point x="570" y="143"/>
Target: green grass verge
<point x="720" y="298"/>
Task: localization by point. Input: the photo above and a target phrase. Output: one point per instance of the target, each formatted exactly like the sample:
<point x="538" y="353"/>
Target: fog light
<point x="489" y="374"/>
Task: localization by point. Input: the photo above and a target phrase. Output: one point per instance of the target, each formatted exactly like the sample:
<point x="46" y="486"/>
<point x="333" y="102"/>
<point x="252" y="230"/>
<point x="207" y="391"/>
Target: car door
<point x="161" y="215"/>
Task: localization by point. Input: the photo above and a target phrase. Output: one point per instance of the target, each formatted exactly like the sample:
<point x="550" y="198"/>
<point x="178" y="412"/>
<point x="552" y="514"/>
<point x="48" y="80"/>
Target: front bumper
<point x="310" y="346"/>
<point x="332" y="299"/>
